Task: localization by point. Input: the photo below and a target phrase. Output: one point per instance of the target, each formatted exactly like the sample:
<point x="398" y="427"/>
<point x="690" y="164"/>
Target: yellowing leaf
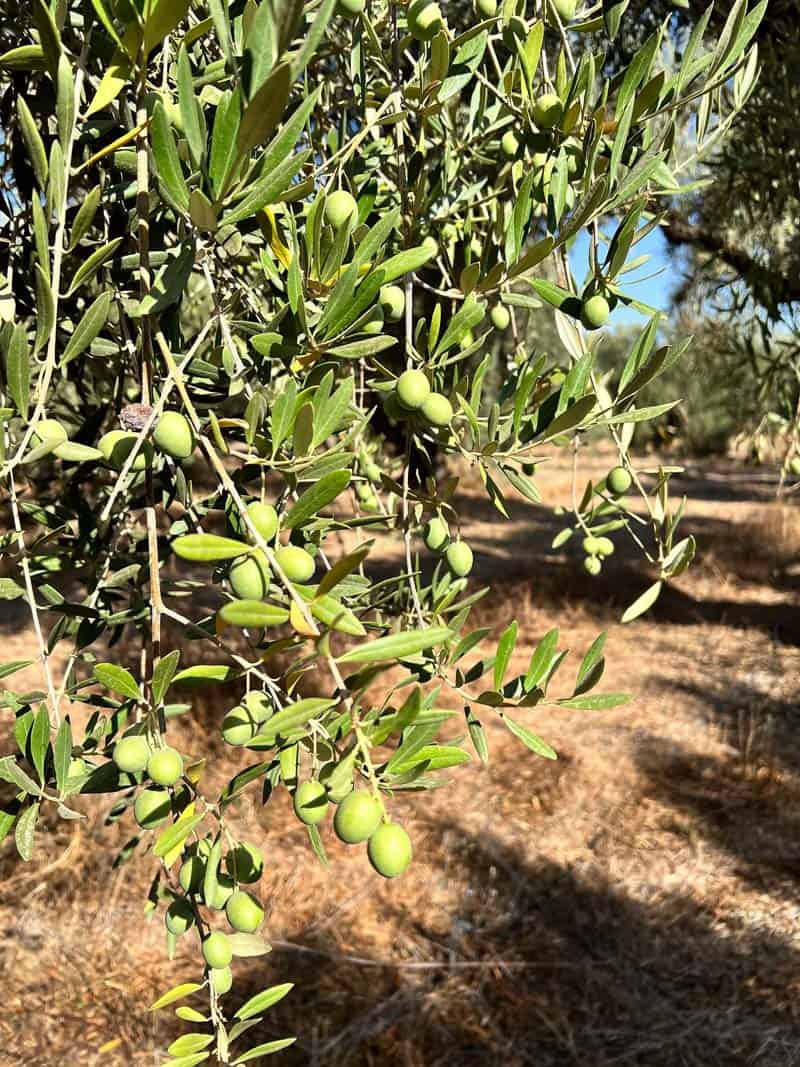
<point x="177" y="992"/>
<point x="269" y="227"/>
<point x="298" y="622"/>
<point x="112" y="83"/>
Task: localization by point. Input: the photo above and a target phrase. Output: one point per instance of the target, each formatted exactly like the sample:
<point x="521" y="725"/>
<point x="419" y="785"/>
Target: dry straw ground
<point x="636" y="902"/>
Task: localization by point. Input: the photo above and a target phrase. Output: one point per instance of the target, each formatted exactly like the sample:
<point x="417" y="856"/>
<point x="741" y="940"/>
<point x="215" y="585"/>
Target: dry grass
<point x="635" y="903"/>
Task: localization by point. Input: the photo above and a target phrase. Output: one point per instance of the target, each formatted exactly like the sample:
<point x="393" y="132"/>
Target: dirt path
<point x="636" y="902"/>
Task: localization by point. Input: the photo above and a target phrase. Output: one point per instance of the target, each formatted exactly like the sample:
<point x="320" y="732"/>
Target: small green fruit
<point x="340" y="207"/>
<point x="225" y="889"/>
<point x="430" y="245"/>
<point x="349" y="9"/>
<point x="217" y="951"/>
<point x="179" y="917"/>
<point x="794" y="466"/>
<point x="459" y="558"/>
<point x="424" y="20"/>
<point x="373" y="325"/>
<point x="239" y="726"/>
<point x="165" y="766"/>
<point x="244" y="912"/>
<point x="619" y="481"/>
<point x="131" y="754"/>
<point x="258" y="704"/>
<point x="413" y="389"/>
<point x="389" y="850"/>
<point x="467" y="341"/>
<point x="576" y="161"/>
<point x="515" y="30"/>
<point x="590" y="545"/>
<point x="173" y="434"/>
<point x="51" y="431"/>
<point x="296" y="563"/>
<point x="310" y="803"/>
<point x="116" y="446"/>
<point x="592" y="565"/>
<point x="566" y="9"/>
<point x="605" y="546"/>
<point x="245" y="863"/>
<point x="437" y="410"/>
<point x="191" y="873"/>
<point x="547" y="111"/>
<point x="357" y="817"/>
<point x="500" y="316"/>
<point x="393" y="301"/>
<point x="264" y="517"/>
<point x="509" y="144"/>
<point x="595" y="312"/>
<point x="437" y="534"/>
<point x="152" y="808"/>
<point x="249" y="576"/>
<point x="486" y="9"/>
<point x="221" y="978"/>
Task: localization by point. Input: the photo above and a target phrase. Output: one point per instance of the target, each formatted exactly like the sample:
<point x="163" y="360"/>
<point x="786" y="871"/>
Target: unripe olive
<point x="245" y="863"/>
<point x="374" y="322"/>
<point x="310" y="803"/>
<point x="412" y="389"/>
<point x="389" y="850"/>
<point x="437" y="534"/>
<point x="605" y="546"/>
<point x="244" y="912"/>
<point x="131" y="754"/>
<point x="393" y="408"/>
<point x="486" y="9"/>
<point x="500" y="316"/>
<point x="152" y="808"/>
<point x="349" y="9"/>
<point x="619" y="481"/>
<point x="264" y="517"/>
<point x="174" y="435"/>
<point x="258" y="704"/>
<point x="515" y="30"/>
<point x="340" y="207"/>
<point x="179" y="917"/>
<point x="249" y="576"/>
<point x="49" y="430"/>
<point x="191" y="873"/>
<point x="592" y="565"/>
<point x="217" y="951"/>
<point x="424" y="20"/>
<point x="547" y="111"/>
<point x="459" y="558"/>
<point x="565" y="8"/>
<point x="357" y="817"/>
<point x="339" y="790"/>
<point x="794" y="466"/>
<point x="225" y="888"/>
<point x="393" y="301"/>
<point x="239" y="726"/>
<point x="116" y="446"/>
<point x="467" y="341"/>
<point x="595" y="312"/>
<point x="437" y="410"/>
<point x="296" y="563"/>
<point x="590" y="545"/>
<point x="509" y="144"/>
<point x="221" y="978"/>
<point x="165" y="766"/>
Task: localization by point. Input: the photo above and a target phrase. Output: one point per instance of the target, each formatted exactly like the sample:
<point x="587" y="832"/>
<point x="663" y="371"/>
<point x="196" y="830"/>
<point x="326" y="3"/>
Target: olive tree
<point x="256" y="257"/>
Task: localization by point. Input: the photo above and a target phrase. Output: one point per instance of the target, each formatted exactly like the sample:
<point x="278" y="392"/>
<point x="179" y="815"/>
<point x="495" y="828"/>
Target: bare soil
<point x="636" y="902"/>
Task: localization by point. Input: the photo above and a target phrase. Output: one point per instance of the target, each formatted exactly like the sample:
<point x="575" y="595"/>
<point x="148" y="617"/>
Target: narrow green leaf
<point x="25" y="829"/>
<point x="208" y="548"/>
<point x="262" y="1001"/>
<point x="397" y="646"/>
<point x="92" y="322"/>
<point x="530" y="739"/>
<point x="265" y="1050"/>
<point x="642" y="603"/>
<point x="316" y="497"/>
<point x="118" y="680"/>
<point x="177" y="992"/>
<point x="33" y="142"/>
<point x="165" y="154"/>
<point x="18" y="369"/>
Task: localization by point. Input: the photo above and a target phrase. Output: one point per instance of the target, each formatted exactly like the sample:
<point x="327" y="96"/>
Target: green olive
<point x="547" y="111"/>
<point x="424" y="20"/>
<point x="389" y="850"/>
<point x="264" y="517"/>
<point x="249" y="576"/>
<point x="221" y="978"/>
<point x="486" y="9"/>
<point x="357" y="817"/>
<point x="393" y="301"/>
<point x="310" y="802"/>
<point x="296" y="563"/>
<point x="131" y="754"/>
<point x="174" y="435"/>
<point x="244" y="912"/>
<point x="619" y="481"/>
<point x="349" y="9"/>
<point x="515" y="30"/>
<point x="437" y="534"/>
<point x="592" y="565"/>
<point x="258" y="704"/>
<point x="179" y="917"/>
<point x="245" y="863"/>
<point x="566" y="9"/>
<point x="459" y="558"/>
<point x="412" y="389"/>
<point x="165" y="766"/>
<point x="191" y="873"/>
<point x="217" y="950"/>
<point x="152" y="808"/>
<point x="509" y="144"/>
<point x="500" y="316"/>
<point x="437" y="410"/>
<point x="595" y="312"/>
<point x="239" y="726"/>
<point x="340" y="208"/>
<point x="116" y="446"/>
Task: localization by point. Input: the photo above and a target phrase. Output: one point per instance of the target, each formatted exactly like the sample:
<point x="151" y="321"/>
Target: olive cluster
<point x="457" y="554"/>
<point x="618" y="482"/>
<point x="412" y="398"/>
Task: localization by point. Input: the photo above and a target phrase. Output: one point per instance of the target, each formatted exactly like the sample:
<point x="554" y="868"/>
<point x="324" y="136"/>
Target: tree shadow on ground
<point x="751" y="815"/>
<point x="544" y="965"/>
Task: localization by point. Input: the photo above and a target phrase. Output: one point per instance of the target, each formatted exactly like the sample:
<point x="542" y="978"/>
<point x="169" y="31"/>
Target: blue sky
<point x="660" y="276"/>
